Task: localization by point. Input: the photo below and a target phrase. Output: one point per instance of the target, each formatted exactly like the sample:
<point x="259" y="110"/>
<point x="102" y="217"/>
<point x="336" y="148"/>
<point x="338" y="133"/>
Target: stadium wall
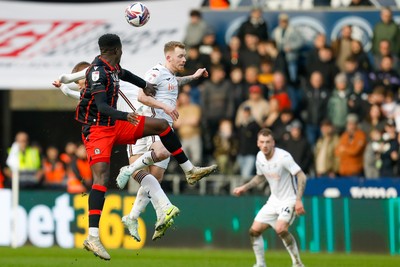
<point x="48" y="219"/>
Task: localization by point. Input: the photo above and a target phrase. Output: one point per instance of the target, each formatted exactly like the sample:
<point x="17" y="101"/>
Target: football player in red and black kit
<point x="104" y="126"/>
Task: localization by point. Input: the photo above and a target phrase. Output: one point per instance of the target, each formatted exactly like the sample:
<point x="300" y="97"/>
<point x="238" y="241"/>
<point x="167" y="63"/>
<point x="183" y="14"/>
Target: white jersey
<point x="167" y="88"/>
<point x="128" y="100"/>
<point x="279" y="172"/>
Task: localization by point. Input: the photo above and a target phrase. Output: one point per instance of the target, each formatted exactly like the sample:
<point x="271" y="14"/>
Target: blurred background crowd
<point x="334" y="106"/>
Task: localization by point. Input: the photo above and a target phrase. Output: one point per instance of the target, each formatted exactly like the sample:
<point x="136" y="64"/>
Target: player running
<point x="277" y="167"/>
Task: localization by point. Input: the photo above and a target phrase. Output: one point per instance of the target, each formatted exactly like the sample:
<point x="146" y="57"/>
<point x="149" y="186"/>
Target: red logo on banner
<point x="20" y="38"/>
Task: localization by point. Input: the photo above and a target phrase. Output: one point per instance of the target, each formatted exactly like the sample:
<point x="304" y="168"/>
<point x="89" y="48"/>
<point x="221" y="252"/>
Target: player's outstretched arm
<point x="255" y="181"/>
<point x="73" y="77"/>
<point x="154" y="103"/>
<point x="66" y="90"/>
<point x="187" y="79"/>
<point x="301" y="185"/>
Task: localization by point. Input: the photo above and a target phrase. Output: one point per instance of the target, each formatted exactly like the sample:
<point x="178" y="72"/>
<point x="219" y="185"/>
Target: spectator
<point x="247" y="130"/>
<point x="216" y="4"/>
<point x="195" y="30"/>
<point x="238" y="90"/>
<point x="283" y="92"/>
<point x="389" y="106"/>
<point x="289" y="41"/>
<point x="80" y="180"/>
<point x="326" y="65"/>
<point x="386" y="76"/>
<point x="55" y="174"/>
<point x="188" y="126"/>
<point x="357" y="51"/>
<point x="312" y="54"/>
<point x="216" y="58"/>
<point x="258" y="105"/>
<point x="374" y="120"/>
<point x="372" y="155"/>
<point x="385" y="50"/>
<point x="266" y="74"/>
<point x="386" y="29"/>
<point x="29" y="162"/>
<point x="69" y="153"/>
<point x="337" y="103"/>
<point x="254" y="24"/>
<point x="341" y="47"/>
<point x="231" y="54"/>
<point x="251" y="78"/>
<point x="298" y="146"/>
<point x="326" y="162"/>
<point x="276" y="56"/>
<point x="248" y="55"/>
<point x="208" y="42"/>
<point x="350" y="149"/>
<point x="315" y="103"/>
<point x="358" y="98"/>
<point x="225" y="144"/>
<point x="281" y="126"/>
<point x="351" y="69"/>
<point x="273" y="114"/>
<point x="216" y="104"/>
<point x="389" y="154"/>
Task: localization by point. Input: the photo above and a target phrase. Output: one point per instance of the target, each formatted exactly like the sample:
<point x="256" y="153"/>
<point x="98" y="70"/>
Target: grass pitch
<point x="161" y="257"/>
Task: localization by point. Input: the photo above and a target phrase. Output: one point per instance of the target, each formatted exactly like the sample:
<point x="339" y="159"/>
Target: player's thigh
<point x="267" y="215"/>
<point x="257" y="228"/>
<point x="136" y="150"/>
<point x="286" y="216"/>
<point x="154" y="126"/>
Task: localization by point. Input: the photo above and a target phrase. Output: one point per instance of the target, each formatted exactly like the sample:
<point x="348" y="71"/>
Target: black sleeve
<point x="104" y="108"/>
<point x="128" y="76"/>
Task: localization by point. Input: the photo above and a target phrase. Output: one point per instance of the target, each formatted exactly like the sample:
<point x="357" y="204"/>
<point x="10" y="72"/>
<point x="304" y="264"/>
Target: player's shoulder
<point x="282" y="154"/>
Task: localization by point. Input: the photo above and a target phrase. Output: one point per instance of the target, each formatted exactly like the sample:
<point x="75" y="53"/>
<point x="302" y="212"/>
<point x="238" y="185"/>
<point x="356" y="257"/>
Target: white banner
<point x="39" y="41"/>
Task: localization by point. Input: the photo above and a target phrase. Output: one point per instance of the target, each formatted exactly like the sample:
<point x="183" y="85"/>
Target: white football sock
<point x="156" y="208"/>
<point x="187" y="166"/>
<point x="143" y="161"/>
<point x="258" y="248"/>
<point x="153" y="188"/>
<point x="141" y="201"/>
<point x="94" y="231"/>
<point x="291" y="246"/>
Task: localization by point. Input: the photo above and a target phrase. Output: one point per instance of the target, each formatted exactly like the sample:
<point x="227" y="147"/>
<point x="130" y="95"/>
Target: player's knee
<point x="163" y="124"/>
<point x="161" y="154"/>
<point x="254" y="233"/>
<point x="281" y="230"/>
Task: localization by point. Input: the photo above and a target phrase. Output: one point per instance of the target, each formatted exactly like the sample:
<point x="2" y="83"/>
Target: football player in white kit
<point x="148" y="149"/>
<point x="276" y="166"/>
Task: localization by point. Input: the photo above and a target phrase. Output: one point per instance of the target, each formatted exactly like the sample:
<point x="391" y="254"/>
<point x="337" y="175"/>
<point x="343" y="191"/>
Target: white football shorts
<point x="275" y="210"/>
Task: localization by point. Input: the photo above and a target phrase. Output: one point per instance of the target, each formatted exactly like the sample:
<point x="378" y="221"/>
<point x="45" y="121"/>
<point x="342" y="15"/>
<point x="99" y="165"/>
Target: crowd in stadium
<point x="334" y="107"/>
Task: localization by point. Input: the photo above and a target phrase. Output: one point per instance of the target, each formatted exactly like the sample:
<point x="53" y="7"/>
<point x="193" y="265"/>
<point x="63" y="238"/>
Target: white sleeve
<point x="69" y="92"/>
<point x="289" y="164"/>
<point x="73" y="77"/>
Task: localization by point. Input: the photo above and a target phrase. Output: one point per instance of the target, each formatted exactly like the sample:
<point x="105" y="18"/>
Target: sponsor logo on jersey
<point x="95" y="75"/>
<point x="97" y="151"/>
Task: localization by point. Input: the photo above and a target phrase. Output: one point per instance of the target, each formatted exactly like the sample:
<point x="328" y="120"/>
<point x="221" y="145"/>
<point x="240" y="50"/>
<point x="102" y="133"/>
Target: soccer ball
<point x="137" y="14"/>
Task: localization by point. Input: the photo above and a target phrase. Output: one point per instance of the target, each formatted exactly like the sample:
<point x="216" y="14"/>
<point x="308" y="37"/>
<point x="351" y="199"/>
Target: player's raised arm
<point x="187" y="79"/>
<point x="255" y="181"/>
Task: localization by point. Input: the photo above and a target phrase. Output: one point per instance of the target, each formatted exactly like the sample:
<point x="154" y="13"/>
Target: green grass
<point x="154" y="257"/>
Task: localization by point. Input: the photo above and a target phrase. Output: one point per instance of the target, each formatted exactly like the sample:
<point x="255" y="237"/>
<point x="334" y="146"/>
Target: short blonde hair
<point x="170" y="46"/>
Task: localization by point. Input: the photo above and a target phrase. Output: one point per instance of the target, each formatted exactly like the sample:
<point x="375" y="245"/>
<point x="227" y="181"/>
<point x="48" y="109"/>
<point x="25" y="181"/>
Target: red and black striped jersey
<point x="100" y="77"/>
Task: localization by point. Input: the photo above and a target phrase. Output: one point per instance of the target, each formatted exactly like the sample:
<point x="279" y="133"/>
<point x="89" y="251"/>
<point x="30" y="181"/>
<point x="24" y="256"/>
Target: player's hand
<point x="150" y="89"/>
<point x="200" y="73"/>
<point x="172" y="112"/>
<point x="57" y="83"/>
<point x="299" y="208"/>
<point x="238" y="191"/>
<point x="133" y="118"/>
